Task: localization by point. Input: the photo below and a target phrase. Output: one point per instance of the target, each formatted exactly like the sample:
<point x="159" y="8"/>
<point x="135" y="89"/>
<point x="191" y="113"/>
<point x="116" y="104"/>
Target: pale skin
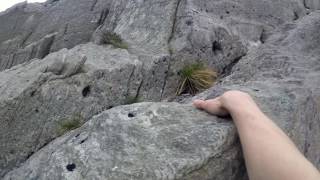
<point x="269" y="153"/>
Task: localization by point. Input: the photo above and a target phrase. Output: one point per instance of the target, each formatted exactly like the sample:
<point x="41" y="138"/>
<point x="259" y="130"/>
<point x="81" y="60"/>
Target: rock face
<point x="283" y="75"/>
<point x="142" y="141"/>
<point x="209" y="30"/>
<point x="267" y="48"/>
<point x="63" y="85"/>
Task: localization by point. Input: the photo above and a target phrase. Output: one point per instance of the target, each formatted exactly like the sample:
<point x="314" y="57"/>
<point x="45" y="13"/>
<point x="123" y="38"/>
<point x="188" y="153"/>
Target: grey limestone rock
<point x="283" y="75"/>
<point x="141" y="141"/>
<point x="36" y="96"/>
<point x="217" y="32"/>
<point x="311" y="4"/>
<point x="267" y="48"/>
<point x="174" y="141"/>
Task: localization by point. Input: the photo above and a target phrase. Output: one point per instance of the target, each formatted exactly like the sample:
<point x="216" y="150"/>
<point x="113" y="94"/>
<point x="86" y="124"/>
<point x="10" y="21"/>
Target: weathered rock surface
<point x="35" y="97"/>
<point x="283" y="75"/>
<point x="215" y="31"/>
<point x="142" y="141"/>
<point x="26" y="28"/>
<point x="268" y="48"/>
<point x="171" y="141"/>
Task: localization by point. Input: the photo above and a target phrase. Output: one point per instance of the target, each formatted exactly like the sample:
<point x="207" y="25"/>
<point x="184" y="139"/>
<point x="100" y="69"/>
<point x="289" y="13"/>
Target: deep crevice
<point x="130" y="79"/>
<point x="263" y="36"/>
<point x="25" y="38"/>
<point x="139" y="88"/>
<point x="33" y="93"/>
<point x="30" y="154"/>
<point x="165" y="79"/>
<point x="45" y="47"/>
<point x="66" y="27"/>
<point x="174" y="23"/>
<point x="103" y="15"/>
<point x="227" y="69"/>
<point x="305" y="4"/>
<point x="296" y="16"/>
<point x="93" y="5"/>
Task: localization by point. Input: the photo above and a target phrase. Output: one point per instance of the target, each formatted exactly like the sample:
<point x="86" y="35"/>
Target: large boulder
<point x="172" y="141"/>
<point x="142" y="141"/>
<point x="36" y="96"/>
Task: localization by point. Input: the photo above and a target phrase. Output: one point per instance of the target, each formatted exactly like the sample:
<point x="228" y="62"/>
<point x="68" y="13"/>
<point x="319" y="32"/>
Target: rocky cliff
<point x="56" y="66"/>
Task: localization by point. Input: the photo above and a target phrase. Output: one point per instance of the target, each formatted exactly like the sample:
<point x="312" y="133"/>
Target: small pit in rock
<point x="130" y="115"/>
<point x="81" y="142"/>
<point x="32" y="93"/>
<point x="216" y="46"/>
<point x="86" y="91"/>
<point x="71" y="167"/>
<point x="189" y="22"/>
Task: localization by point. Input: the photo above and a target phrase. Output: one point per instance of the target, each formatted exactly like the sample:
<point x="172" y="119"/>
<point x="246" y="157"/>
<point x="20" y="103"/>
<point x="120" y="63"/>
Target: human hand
<point x="231" y="102"/>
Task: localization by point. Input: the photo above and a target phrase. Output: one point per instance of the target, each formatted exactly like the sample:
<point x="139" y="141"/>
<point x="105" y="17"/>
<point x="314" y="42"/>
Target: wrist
<point x="238" y="103"/>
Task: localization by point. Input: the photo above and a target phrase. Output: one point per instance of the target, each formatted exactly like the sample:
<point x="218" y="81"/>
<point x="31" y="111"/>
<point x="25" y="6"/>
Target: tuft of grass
<point x="71" y="123"/>
<point x="194" y="78"/>
<point x="114" y="39"/>
<point x="132" y="100"/>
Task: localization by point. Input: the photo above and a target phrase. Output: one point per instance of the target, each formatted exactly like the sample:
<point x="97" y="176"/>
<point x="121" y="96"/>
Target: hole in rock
<point x="216" y="46"/>
<point x="70" y="167"/>
<point x="81" y="142"/>
<point x="130" y="115"/>
<point x="296" y="16"/>
<point x="189" y="22"/>
<point x="86" y="91"/>
<point x="32" y="93"/>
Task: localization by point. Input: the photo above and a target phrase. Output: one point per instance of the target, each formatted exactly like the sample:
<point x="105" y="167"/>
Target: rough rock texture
<point x="37" y="96"/>
<point x="311" y="4"/>
<point x="171" y="141"/>
<point x="283" y="75"/>
<point x="34" y="30"/>
<point x="142" y="141"/>
<point x="267" y="48"/>
<point x="208" y="30"/>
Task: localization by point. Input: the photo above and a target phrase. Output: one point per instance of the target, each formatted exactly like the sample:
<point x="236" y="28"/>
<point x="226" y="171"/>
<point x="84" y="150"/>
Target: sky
<point x="5" y="4"/>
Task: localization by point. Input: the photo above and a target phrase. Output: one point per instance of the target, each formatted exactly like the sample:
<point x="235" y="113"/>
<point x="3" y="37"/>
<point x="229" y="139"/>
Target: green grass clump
<point x="68" y="124"/>
<point x="132" y="100"/>
<point x="194" y="78"/>
<point x="114" y="39"/>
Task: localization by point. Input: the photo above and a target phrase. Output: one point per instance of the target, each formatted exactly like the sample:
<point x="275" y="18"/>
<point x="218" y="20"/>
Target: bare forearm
<point x="268" y="151"/>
